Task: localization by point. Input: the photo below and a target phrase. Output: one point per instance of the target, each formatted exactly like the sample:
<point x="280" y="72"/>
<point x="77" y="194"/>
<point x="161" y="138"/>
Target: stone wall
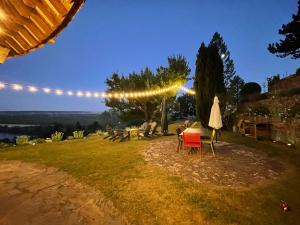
<point x="275" y="104"/>
<point x="288" y="83"/>
<point x="283" y="129"/>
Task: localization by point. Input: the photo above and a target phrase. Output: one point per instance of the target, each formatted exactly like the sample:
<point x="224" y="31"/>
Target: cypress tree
<point x="199" y="81"/>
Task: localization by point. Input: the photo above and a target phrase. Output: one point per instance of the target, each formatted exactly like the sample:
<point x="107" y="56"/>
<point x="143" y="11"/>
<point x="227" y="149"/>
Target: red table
<point x="192" y="138"/>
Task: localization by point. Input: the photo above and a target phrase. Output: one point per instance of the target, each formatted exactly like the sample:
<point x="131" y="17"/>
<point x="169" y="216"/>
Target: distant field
<point x="46" y="118"/>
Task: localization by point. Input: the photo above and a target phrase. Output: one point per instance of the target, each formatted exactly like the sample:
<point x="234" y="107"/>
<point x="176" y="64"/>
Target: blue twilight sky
<point x="109" y="36"/>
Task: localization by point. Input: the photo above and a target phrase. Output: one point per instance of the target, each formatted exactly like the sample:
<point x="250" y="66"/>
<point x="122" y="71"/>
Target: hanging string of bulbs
<point x="91" y="94"/>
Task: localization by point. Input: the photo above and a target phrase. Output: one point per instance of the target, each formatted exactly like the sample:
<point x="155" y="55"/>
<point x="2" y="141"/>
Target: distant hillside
<point x="48" y="117"/>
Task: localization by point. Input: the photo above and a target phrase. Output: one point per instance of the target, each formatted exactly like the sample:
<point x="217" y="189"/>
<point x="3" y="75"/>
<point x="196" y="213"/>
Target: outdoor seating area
<point x="149" y="112"/>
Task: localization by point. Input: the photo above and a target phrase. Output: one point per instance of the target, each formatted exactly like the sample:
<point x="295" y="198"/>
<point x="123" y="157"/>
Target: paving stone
<point x="50" y="197"/>
<point x="234" y="165"/>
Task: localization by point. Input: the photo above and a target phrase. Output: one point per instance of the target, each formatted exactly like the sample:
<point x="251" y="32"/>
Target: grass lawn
<point x="147" y="194"/>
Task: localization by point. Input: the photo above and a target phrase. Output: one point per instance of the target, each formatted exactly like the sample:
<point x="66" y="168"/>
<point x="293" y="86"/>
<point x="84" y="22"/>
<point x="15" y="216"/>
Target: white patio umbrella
<point x="215" y="119"/>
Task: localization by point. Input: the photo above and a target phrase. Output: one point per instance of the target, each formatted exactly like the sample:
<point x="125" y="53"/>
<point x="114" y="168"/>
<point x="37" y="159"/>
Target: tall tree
<point x="146" y="107"/>
<point x="177" y="71"/>
<point x="186" y="104"/>
<point x="199" y="81"/>
<point x="224" y="53"/>
<point x="209" y="80"/>
<point x="234" y="90"/>
<point x="134" y="82"/>
<point x="290" y="46"/>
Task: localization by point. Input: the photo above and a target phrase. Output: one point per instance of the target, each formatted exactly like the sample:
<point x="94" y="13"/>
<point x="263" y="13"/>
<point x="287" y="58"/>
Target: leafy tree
<point x="234" y="90"/>
<point x="177" y="71"/>
<point x="228" y="69"/>
<point x="291" y="44"/>
<point x="146" y="107"/>
<point x="78" y="126"/>
<point x="209" y="80"/>
<point x="134" y="82"/>
<point x="249" y="89"/>
<point x="186" y="104"/>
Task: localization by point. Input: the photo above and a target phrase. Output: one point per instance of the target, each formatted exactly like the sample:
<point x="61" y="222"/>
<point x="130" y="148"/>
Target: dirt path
<point x="34" y="195"/>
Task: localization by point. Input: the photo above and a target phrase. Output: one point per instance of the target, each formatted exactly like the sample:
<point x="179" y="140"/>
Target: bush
<point x="249" y="89"/>
<point x="38" y="141"/>
<point x="22" y="140"/>
<point x="78" y="134"/>
<point x="261" y="110"/>
<point x="57" y="136"/>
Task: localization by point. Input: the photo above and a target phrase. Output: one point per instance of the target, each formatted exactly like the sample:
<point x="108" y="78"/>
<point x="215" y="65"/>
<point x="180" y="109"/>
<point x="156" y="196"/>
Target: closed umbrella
<point x="215" y="119"/>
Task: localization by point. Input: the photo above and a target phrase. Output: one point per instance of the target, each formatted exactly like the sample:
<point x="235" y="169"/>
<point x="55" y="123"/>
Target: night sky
<point x="122" y="36"/>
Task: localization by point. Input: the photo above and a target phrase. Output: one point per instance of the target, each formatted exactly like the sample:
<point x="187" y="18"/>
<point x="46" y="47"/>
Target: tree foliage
<point x="224" y="53"/>
<point x="251" y="88"/>
<point x="234" y="90"/>
<point x="209" y="80"/>
<point x="177" y="70"/>
<point x="290" y="46"/>
<point x="186" y="104"/>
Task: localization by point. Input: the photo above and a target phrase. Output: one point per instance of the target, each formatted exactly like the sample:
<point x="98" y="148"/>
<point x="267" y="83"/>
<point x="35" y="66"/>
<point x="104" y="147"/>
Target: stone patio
<point x="34" y="195"/>
<point x="233" y="166"/>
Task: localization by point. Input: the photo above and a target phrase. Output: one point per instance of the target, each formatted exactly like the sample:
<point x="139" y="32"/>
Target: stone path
<point x="34" y="195"/>
<point x="233" y="166"/>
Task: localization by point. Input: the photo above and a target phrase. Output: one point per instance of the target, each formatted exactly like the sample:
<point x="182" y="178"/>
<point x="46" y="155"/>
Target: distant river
<point x="18" y="125"/>
<point x="8" y="136"/>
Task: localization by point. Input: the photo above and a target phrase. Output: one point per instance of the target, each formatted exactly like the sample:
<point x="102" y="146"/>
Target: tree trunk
<point x="164" y="117"/>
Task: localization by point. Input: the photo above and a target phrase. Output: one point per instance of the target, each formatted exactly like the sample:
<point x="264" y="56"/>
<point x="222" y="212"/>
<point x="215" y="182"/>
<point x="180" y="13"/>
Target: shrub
<point x="22" y="140"/>
<point x="249" y="89"/>
<point x="261" y="110"/>
<point x="78" y="134"/>
<point x="38" y="141"/>
<point x="57" y="136"/>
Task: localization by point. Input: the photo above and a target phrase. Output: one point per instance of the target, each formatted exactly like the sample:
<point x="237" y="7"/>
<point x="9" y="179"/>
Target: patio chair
<point x="110" y="133"/>
<point x="210" y="141"/>
<point x="192" y="140"/>
<point x="179" y="137"/>
<point x="120" y="134"/>
<point x="144" y="130"/>
<point x="153" y="128"/>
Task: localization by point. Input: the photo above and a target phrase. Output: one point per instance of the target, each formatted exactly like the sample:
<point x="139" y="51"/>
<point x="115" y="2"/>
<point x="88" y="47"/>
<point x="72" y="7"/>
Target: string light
<point x="112" y="95"/>
<point x="2" y="85"/>
<point x="70" y="93"/>
<point x="79" y="94"/>
<point x="17" y="87"/>
<point x="47" y="90"/>
<point x="59" y="92"/>
<point x="32" y="89"/>
<point x="187" y="90"/>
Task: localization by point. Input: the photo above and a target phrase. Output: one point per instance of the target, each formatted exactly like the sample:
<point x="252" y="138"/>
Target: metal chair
<point x="211" y="141"/>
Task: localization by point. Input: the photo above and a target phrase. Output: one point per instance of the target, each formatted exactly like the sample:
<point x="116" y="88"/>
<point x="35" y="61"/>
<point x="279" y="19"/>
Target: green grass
<point x="146" y="194"/>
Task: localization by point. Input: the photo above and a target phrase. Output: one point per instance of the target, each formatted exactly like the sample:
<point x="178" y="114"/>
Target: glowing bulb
<point x="32" y="89"/>
<point x="103" y="95"/>
<point x="122" y="95"/>
<point x="2" y="85"/>
<point x="3" y="15"/>
<point x="109" y="95"/>
<point x="17" y="87"/>
<point x="58" y="92"/>
<point x="96" y="95"/>
<point x="126" y="95"/>
<point x="79" y="94"/>
<point x="70" y="93"/>
<point x="47" y="90"/>
<point x="88" y="94"/>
